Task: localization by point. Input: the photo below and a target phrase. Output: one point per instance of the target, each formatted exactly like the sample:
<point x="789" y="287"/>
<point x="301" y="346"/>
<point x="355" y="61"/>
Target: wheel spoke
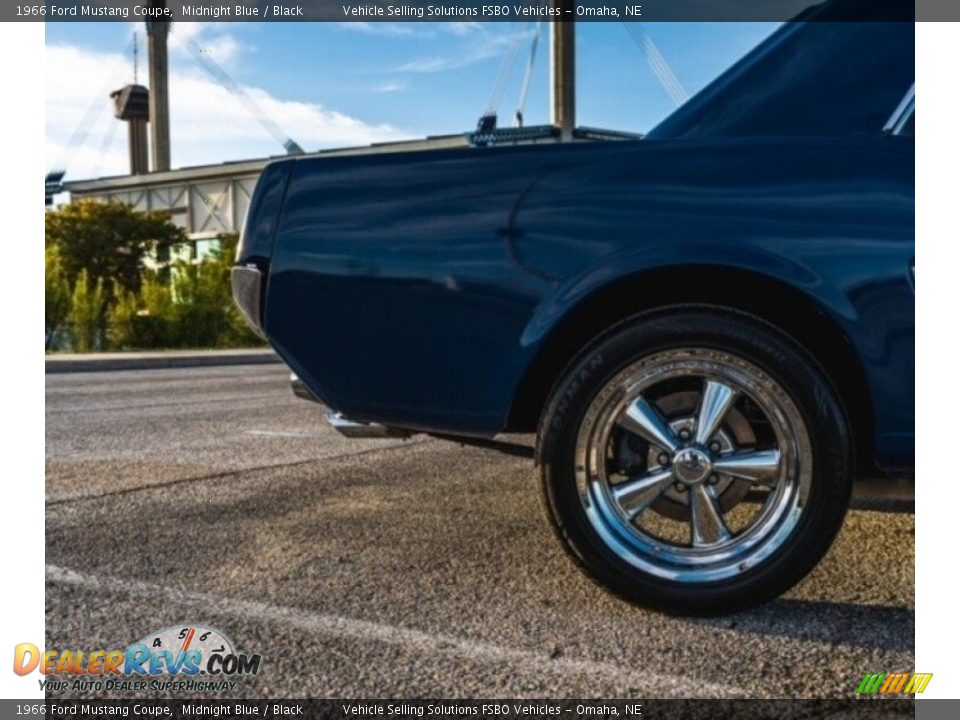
<point x="706" y="521"/>
<point x="758" y="467"/>
<point x="716" y="401"/>
<point x="636" y="494"/>
<point x="643" y="419"/>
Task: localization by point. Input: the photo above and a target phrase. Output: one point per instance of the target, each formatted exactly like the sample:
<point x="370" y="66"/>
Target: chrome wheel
<point x="693" y="465"/>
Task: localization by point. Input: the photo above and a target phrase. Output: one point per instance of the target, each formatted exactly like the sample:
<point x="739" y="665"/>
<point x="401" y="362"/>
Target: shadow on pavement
<point x="881" y="627"/>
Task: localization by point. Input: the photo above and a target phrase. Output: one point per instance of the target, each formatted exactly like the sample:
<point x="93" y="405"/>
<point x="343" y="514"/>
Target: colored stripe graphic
<point x="894" y="683"/>
<point x="918" y="683"/>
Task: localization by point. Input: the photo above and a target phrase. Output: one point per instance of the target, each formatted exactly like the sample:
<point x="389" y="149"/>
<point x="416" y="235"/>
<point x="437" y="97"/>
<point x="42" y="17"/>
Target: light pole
<point x="563" y="66"/>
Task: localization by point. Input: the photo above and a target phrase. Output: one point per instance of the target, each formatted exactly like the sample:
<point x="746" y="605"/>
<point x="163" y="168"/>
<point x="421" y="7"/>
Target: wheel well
<point x="777" y="303"/>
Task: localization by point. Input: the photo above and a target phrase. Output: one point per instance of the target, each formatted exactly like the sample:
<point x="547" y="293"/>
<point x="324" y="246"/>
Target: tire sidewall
<point x="773" y="352"/>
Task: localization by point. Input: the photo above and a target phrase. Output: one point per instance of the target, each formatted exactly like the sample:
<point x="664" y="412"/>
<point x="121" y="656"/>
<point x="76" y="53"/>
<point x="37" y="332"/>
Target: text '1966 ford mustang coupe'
<point x="711" y="329"/>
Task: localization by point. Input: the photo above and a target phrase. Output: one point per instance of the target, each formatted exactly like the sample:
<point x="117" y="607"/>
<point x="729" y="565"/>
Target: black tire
<point x="827" y="463"/>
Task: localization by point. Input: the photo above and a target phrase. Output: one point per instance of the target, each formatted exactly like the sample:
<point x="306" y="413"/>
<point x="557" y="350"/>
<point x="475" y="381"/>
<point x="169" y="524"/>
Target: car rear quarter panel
<point x="417" y="290"/>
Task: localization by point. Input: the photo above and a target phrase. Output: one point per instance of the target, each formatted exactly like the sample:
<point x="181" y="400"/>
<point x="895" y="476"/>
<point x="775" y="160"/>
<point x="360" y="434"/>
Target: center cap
<point x="692" y="465"/>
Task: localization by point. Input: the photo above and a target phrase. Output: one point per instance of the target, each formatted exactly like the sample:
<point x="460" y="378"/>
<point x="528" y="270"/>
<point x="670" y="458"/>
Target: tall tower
<point x="131" y="103"/>
<point x="159" y="100"/>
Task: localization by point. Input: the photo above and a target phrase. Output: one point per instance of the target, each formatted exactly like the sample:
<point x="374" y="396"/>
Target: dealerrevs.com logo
<point x="181" y="658"/>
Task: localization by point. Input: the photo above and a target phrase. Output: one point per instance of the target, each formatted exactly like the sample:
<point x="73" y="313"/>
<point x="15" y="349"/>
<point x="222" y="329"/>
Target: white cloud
<point x="208" y="124"/>
<point x="390" y="86"/>
<point x="461" y="28"/>
<point x="386" y="29"/>
<point x="404" y="29"/>
<point x="485" y="43"/>
<point x="211" y="39"/>
<point x="436" y="63"/>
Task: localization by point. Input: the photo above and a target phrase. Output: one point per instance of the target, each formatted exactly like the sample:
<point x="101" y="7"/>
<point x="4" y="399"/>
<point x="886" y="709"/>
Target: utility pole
<point x="159" y="101"/>
<point x="563" y="66"/>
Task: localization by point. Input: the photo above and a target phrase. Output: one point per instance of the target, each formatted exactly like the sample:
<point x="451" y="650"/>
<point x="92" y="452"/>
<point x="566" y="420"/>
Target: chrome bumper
<point x="247" y="284"/>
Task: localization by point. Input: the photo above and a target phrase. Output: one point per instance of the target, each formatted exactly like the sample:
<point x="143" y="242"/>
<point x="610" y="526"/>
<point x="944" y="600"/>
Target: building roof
<point x="254" y="166"/>
<point x="238" y="168"/>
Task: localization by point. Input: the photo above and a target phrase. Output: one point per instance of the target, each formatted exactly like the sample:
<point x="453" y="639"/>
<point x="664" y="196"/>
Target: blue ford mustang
<point x="711" y="329"/>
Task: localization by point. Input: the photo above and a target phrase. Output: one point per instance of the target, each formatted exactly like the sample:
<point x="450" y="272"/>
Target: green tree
<point x="206" y="315"/>
<point x="225" y="254"/>
<point x="187" y="306"/>
<point x="144" y="320"/>
<point x="86" y="313"/>
<point x="108" y="240"/>
<point x="57" y="296"/>
<point x="123" y="320"/>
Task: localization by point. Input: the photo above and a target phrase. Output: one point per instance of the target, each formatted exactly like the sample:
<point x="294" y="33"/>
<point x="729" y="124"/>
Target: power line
<point x="528" y="75"/>
<point x="92" y="115"/>
<point x="658" y="64"/>
<point x="231" y="86"/>
<point x="105" y="146"/>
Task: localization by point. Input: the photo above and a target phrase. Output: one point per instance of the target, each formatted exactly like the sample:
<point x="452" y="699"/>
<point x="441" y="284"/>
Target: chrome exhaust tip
<point x="351" y="429"/>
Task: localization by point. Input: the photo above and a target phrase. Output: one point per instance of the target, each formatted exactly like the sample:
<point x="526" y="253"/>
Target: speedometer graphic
<point x="182" y="639"/>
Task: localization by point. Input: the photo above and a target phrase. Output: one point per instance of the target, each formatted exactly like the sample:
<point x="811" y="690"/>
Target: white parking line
<point x="527" y="662"/>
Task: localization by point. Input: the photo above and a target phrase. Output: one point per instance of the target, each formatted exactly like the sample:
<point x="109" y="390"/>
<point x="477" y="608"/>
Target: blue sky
<point x="330" y="84"/>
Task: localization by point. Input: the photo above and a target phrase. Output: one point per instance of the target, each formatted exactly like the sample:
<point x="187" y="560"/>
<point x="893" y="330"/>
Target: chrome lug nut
<point x="713" y="479"/>
<point x="715" y="447"/>
<point x="684" y="434"/>
<point x="680" y="487"/>
<point x="663" y="458"/>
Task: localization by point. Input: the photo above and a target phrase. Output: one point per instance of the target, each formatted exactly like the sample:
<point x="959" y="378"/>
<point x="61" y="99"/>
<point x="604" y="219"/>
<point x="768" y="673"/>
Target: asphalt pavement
<point x="399" y="568"/>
